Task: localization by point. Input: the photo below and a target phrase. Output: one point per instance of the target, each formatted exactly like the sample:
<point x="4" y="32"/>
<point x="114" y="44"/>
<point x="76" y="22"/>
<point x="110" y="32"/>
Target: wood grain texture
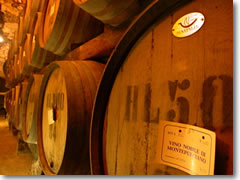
<point x="15" y="105"/>
<point x="39" y="57"/>
<point x="162" y="77"/>
<point x="20" y="31"/>
<point x="20" y="101"/>
<point x="98" y="47"/>
<point x="29" y="109"/>
<point x="67" y="94"/>
<point x="64" y="24"/>
<point x="30" y="14"/>
<point x="110" y="12"/>
<point x="28" y="68"/>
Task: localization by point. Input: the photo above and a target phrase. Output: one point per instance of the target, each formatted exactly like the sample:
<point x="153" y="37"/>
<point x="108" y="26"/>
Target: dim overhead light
<point x="1" y="39"/>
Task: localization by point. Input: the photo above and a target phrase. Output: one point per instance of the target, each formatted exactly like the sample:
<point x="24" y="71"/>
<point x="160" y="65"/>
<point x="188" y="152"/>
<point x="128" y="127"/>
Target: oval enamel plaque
<point x="188" y="24"/>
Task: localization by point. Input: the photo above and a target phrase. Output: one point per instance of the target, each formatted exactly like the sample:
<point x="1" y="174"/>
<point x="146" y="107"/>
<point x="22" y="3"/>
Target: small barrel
<point x="111" y="12"/>
<point x="66" y="100"/>
<point x="64" y="25"/>
<point x="174" y="65"/>
<point x="29" y="109"/>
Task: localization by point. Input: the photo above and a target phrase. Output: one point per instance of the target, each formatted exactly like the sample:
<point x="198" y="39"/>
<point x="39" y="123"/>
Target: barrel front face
<point x="54" y="120"/>
<point x="31" y="100"/>
<point x="67" y="94"/>
<point x="58" y="25"/>
<point x="30" y="64"/>
<point x="33" y="6"/>
<point x="50" y="18"/>
<point x="39" y="57"/>
<point x="187" y="80"/>
<point x="65" y="24"/>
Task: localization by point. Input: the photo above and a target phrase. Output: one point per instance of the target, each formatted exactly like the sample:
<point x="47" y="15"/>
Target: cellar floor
<point x="12" y="162"/>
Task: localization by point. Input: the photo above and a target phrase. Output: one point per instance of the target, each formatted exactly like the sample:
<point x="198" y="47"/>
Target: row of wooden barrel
<point x="89" y="118"/>
<point x="56" y="93"/>
<point x="49" y="29"/>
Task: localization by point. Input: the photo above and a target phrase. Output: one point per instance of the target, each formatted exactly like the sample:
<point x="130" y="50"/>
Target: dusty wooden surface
<point x="54" y="122"/>
<point x="187" y="80"/>
<point x="98" y="47"/>
<point x="29" y="109"/>
<point x="65" y="24"/>
<point x="33" y="6"/>
<point x="67" y="92"/>
<point x="20" y="30"/>
<point x="22" y="113"/>
<point x="110" y="12"/>
<point x="15" y="110"/>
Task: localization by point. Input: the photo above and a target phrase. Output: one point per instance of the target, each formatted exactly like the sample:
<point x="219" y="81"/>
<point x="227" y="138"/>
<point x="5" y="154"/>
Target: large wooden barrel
<point x="11" y="107"/>
<point x="30" y="15"/>
<point x="11" y="50"/>
<point x="12" y="75"/>
<point x="21" y="62"/>
<point x="15" y="66"/>
<point x="111" y="12"/>
<point x="29" y="109"/>
<point x="66" y="100"/>
<point x="18" y="65"/>
<point x="39" y="57"/>
<point x="153" y="76"/>
<point x="8" y="74"/>
<point x="16" y="105"/>
<point x="19" y="89"/>
<point x="15" y="41"/>
<point x="8" y="104"/>
<point x="23" y="88"/>
<point x="65" y="24"/>
<point x="5" y="68"/>
<point x="28" y="68"/>
<point x="21" y="36"/>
